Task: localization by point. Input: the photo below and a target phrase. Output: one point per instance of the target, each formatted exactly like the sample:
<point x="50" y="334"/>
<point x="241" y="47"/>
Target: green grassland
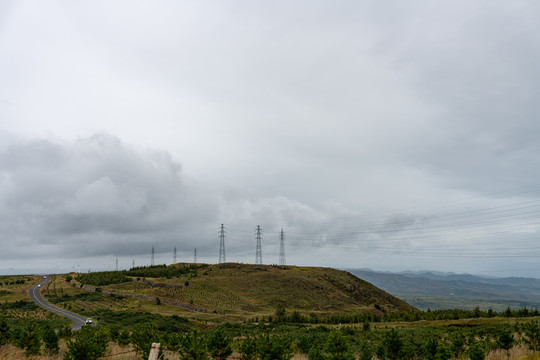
<point x="15" y="304"/>
<point x="13" y="288"/>
<point x="249" y="290"/>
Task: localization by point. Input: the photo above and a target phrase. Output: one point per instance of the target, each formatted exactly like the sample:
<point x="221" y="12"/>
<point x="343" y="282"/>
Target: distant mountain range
<point x="435" y="290"/>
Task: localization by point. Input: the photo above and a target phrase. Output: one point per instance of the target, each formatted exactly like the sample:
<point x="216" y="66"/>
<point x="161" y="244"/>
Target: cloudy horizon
<point x="392" y="136"/>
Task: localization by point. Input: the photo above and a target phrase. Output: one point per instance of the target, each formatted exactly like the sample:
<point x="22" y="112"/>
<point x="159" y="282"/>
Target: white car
<point x="89" y="321"/>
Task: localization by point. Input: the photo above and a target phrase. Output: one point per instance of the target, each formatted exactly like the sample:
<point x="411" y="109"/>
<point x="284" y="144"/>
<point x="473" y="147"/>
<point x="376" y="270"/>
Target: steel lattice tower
<point x="152" y="260"/>
<point x="282" y="248"/>
<point x="258" y="252"/>
<point x="221" y="245"/>
<point x="174" y="255"/>
<point x="116" y="264"/>
<point x="195" y="256"/>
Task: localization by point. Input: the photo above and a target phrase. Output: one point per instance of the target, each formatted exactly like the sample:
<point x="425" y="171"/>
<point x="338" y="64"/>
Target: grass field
<point x="249" y="290"/>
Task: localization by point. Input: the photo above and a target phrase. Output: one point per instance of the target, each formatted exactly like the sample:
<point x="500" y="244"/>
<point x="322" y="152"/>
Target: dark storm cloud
<point x="95" y="192"/>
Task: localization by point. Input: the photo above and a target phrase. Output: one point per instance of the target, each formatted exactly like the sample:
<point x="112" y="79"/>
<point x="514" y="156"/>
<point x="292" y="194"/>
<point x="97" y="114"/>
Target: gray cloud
<point x="96" y="186"/>
<point x="98" y="196"/>
<point x="361" y="127"/>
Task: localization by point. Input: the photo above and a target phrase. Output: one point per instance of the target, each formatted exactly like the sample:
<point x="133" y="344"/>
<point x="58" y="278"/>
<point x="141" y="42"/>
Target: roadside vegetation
<point x="126" y="326"/>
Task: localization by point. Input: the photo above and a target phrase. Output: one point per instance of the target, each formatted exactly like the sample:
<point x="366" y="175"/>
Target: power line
<point x="258" y="251"/>
<point x="221" y="245"/>
<point x="282" y="248"/>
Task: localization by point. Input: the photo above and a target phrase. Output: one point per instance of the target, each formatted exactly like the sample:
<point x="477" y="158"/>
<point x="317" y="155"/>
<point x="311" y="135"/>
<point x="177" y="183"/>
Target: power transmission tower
<point x="133" y="264"/>
<point x="174" y="256"/>
<point x="221" y="245"/>
<point x="152" y="260"/>
<point x="282" y="248"/>
<point x="116" y="264"/>
<point x="258" y="252"/>
<point x="195" y="256"/>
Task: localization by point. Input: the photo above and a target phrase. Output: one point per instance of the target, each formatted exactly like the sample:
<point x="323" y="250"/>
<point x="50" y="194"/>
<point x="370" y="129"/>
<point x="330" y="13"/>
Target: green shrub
<point x="30" y="339"/>
<point x="272" y="347"/>
<point x="142" y="338"/>
<point x="4" y="331"/>
<point x="50" y="338"/>
<point x="89" y="344"/>
<point x="219" y="345"/>
<point x="193" y="347"/>
<point x="337" y="347"/>
<point x="248" y="349"/>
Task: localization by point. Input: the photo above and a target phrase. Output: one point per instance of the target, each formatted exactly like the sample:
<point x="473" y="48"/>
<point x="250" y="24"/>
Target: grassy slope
<point x="11" y="293"/>
<point x="248" y="289"/>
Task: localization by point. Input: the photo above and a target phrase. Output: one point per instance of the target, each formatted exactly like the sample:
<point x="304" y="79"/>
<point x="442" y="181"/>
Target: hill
<point x="257" y="290"/>
<point x="462" y="291"/>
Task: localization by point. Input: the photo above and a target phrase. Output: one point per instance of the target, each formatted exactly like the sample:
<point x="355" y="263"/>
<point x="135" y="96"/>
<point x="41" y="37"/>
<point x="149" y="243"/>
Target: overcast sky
<point x="392" y="135"/>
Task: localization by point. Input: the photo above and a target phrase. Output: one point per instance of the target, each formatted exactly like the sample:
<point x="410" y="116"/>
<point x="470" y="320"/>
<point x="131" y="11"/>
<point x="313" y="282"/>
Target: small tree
<point x="219" y="345"/>
<point x="142" y="338"/>
<point x="443" y="352"/>
<point x="172" y="341"/>
<point x="274" y="348"/>
<point x="316" y="353"/>
<point x="64" y="332"/>
<point x="431" y="348"/>
<point x="50" y="338"/>
<point x="31" y="339"/>
<point x="337" y="347"/>
<point x="193" y="347"/>
<point x="532" y="335"/>
<point x="4" y="331"/>
<point x="458" y="344"/>
<point x="123" y="338"/>
<point x="392" y="344"/>
<point x="248" y="349"/>
<point x="476" y="352"/>
<point x="280" y="311"/>
<point x="366" y="351"/>
<point x="505" y="341"/>
<point x="89" y="344"/>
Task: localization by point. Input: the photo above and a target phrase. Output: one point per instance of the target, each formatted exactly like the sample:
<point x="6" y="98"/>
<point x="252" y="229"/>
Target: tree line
<point x="103" y="278"/>
<point x="296" y="317"/>
<point x="277" y="342"/>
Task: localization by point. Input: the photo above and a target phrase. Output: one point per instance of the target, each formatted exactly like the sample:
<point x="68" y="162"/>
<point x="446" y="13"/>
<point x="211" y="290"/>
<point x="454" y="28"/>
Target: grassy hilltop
<point x="253" y="290"/>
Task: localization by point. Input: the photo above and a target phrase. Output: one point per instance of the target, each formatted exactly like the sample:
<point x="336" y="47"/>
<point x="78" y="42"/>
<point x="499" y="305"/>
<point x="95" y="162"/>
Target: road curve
<point x="78" y="321"/>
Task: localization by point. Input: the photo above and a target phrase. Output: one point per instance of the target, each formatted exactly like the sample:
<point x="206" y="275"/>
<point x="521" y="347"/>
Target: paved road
<point x="78" y="320"/>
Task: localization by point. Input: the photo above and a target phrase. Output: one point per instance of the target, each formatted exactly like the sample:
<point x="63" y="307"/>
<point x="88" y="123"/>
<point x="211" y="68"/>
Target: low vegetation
<point x="277" y="319"/>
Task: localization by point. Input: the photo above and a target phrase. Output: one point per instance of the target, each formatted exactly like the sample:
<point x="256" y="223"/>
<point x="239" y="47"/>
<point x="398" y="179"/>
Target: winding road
<point x="78" y="321"/>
